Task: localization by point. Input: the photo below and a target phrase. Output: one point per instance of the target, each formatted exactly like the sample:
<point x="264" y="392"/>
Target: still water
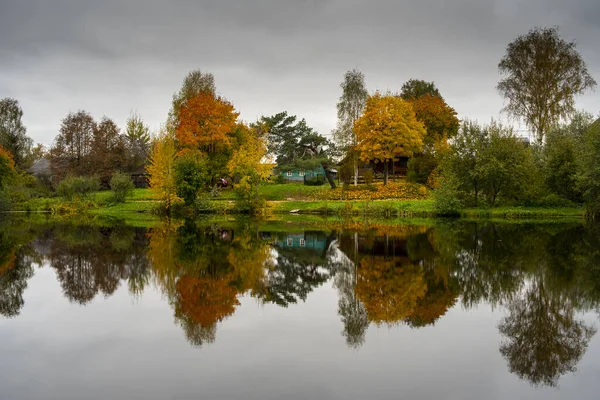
<point x="227" y="309"/>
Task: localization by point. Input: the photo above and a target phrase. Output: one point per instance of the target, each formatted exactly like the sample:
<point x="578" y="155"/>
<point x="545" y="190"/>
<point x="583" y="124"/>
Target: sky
<point x="114" y="57"/>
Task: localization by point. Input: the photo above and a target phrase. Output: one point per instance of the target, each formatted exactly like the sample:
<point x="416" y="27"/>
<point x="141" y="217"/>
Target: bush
<point x="190" y="176"/>
<point x="121" y="186"/>
<point x="280" y="179"/>
<point x="5" y="203"/>
<point x="554" y="200"/>
<point x="446" y="201"/>
<point x="77" y="186"/>
<point x="318" y="180"/>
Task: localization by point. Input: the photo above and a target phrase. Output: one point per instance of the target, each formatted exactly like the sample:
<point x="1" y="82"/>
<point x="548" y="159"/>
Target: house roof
<point x="40" y="167"/>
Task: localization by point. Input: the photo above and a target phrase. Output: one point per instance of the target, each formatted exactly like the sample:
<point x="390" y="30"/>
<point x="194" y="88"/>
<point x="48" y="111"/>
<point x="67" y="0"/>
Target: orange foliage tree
<point x="438" y="117"/>
<point x="206" y="123"/>
<point x="388" y="126"/>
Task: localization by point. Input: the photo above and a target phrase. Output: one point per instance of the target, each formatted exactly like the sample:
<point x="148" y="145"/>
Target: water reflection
<point x="543" y="276"/>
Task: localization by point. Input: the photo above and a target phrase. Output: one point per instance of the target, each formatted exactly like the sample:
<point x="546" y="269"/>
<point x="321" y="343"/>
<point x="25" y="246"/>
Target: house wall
<point x="298" y="175"/>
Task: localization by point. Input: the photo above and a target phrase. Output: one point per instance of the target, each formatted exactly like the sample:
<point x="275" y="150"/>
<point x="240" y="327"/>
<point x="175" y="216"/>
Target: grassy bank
<point x="286" y="199"/>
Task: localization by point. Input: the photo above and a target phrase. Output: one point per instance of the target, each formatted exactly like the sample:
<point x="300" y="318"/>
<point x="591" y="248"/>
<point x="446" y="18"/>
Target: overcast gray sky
<point x="111" y="57"/>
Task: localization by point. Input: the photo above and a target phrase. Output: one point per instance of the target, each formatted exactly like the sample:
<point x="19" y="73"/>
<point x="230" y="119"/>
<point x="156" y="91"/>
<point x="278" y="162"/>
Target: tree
<point x="208" y="124"/>
<point x="13" y="134"/>
<point x="441" y="124"/>
<point x="138" y="140"/>
<point x="246" y="165"/>
<point x="295" y="144"/>
<point x="7" y="167"/>
<point x="196" y="82"/>
<point x="162" y="170"/>
<point x="191" y="175"/>
<point x="588" y="176"/>
<point x="543" y="74"/>
<point x="490" y="161"/>
<point x="415" y="88"/>
<point x="438" y="117"/>
<point x="72" y="146"/>
<point x="349" y="109"/>
<point x="388" y="126"/>
<point x="107" y="153"/>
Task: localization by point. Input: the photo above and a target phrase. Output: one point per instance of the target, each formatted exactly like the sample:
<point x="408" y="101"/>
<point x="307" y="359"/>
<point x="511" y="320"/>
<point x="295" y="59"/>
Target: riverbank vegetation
<point x="402" y="153"/>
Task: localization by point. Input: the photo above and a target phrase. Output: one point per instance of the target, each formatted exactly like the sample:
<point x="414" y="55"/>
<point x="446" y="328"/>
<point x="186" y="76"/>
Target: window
<point x="289" y="173"/>
<point x="290" y="242"/>
<point x="302" y="243"/>
<point x="301" y="173"/>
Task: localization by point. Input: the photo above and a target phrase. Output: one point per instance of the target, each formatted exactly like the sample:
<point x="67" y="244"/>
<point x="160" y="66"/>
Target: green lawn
<point x="280" y="192"/>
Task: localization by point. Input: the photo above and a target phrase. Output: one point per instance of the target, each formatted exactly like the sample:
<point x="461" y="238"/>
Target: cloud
<point x="111" y="57"/>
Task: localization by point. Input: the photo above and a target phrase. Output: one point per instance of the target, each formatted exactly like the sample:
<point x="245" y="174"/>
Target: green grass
<point x="284" y="198"/>
<point x="280" y="192"/>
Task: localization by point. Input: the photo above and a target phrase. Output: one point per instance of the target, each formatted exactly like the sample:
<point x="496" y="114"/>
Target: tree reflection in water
<point x="545" y="276"/>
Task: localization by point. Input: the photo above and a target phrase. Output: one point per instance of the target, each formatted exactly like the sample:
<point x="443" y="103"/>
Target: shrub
<point x="121" y="186"/>
<point x="77" y="186"/>
<point x="554" y="200"/>
<point x="280" y="179"/>
<point x="346" y="173"/>
<point x="446" y="201"/>
<point x="190" y="176"/>
<point x="318" y="180"/>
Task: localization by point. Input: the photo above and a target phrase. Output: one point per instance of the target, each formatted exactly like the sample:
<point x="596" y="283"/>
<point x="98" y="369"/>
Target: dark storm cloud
<point x="267" y="55"/>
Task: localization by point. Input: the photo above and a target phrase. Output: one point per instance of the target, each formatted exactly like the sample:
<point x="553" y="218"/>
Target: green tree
<point x="543" y="74"/>
<point x="162" y="170"/>
<point x="349" y="109"/>
<point x="295" y="144"/>
<point x="561" y="155"/>
<point x="13" y="134"/>
<point x="138" y="140"/>
<point x="191" y="175"/>
<point x="415" y="88"/>
<point x="588" y="176"/>
<point x="490" y="161"/>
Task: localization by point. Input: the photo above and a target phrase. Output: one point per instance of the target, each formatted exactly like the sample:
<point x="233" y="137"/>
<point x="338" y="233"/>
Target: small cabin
<point x="302" y="175"/>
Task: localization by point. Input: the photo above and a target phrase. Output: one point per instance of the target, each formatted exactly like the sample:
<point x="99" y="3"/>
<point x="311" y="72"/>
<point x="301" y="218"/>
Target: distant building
<point x="42" y="170"/>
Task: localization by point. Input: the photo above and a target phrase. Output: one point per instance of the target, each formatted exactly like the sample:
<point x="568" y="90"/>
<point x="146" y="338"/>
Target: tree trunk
<point x="385" y="172"/>
<point x="355" y="170"/>
<point x="328" y="176"/>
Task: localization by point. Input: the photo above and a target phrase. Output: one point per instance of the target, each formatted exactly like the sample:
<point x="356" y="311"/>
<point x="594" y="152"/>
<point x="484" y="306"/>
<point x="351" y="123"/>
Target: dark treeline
<point x="544" y="276"/>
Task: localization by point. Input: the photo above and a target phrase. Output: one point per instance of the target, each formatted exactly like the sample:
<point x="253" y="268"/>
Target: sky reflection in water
<point x="456" y="310"/>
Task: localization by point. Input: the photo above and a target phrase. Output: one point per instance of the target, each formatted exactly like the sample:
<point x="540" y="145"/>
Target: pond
<point x="338" y="309"/>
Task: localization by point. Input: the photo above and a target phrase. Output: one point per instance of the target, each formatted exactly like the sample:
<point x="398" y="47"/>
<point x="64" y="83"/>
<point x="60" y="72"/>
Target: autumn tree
<point x="296" y="145"/>
<point x="415" y="88"/>
<point x="162" y="170"/>
<point x="543" y="74"/>
<point x="195" y="83"/>
<point x="137" y="135"/>
<point x="247" y="167"/>
<point x="349" y="109"/>
<point x="73" y="144"/>
<point x="208" y="124"/>
<point x="388" y="126"/>
<point x="108" y="153"/>
<point x="13" y="134"/>
<point x="441" y="124"/>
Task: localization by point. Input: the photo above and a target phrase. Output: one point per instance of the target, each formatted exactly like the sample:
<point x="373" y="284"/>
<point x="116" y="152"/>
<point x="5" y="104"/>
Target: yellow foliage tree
<point x="246" y="164"/>
<point x="162" y="170"/>
<point x="387" y="127"/>
<point x="389" y="291"/>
